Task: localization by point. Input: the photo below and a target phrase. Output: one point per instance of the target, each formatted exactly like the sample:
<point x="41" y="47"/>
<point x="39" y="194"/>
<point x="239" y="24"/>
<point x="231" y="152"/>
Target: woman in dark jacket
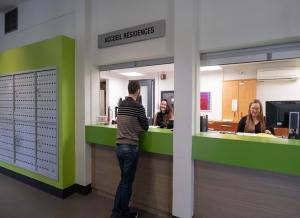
<point x="165" y="114"/>
<point x="254" y="122"/>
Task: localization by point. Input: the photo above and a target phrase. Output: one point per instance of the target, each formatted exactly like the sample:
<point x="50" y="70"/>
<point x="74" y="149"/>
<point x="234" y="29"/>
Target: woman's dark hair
<point x="133" y="87"/>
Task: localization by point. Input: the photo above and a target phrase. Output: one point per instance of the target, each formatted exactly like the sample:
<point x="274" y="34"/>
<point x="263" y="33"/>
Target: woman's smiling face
<point x="255" y="110"/>
<point x="163" y="106"/>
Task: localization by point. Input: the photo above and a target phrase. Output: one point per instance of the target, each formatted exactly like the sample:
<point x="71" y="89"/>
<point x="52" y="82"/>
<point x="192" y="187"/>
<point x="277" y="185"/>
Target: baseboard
<point x="61" y="193"/>
<point x="76" y="188"/>
<point x="83" y="190"/>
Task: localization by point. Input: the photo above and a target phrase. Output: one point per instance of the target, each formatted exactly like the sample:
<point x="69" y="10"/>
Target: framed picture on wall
<point x="205" y="101"/>
<point x="169" y="95"/>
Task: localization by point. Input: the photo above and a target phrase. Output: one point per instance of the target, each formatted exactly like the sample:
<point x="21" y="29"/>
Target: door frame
<point x="152" y="98"/>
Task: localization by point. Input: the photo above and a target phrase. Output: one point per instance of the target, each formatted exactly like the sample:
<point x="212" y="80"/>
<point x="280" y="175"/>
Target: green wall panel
<point x="67" y="111"/>
<point x="56" y="52"/>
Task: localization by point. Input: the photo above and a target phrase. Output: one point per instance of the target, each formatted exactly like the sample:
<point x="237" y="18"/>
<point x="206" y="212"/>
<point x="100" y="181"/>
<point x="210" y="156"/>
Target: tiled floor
<point x="18" y="200"/>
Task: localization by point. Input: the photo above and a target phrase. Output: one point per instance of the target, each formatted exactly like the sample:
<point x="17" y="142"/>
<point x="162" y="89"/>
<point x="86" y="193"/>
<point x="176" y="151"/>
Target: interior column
<point x="186" y="57"/>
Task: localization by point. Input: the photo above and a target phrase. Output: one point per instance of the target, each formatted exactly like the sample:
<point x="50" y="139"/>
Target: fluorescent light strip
<point x="132" y="74"/>
<point x="210" y="68"/>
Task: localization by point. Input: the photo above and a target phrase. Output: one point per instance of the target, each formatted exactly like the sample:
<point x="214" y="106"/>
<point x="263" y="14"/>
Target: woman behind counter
<point x="164" y="115"/>
<point x="254" y="122"/>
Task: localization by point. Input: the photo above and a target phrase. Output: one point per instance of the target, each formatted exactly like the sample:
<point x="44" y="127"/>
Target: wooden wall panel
<point x="242" y="90"/>
<point x="232" y="192"/>
<point x="152" y="189"/>
<point x="230" y="92"/>
<point x="247" y="92"/>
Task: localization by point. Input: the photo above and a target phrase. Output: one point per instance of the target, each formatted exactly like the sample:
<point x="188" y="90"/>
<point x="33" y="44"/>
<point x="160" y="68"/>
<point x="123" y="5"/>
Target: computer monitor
<point x="278" y="113"/>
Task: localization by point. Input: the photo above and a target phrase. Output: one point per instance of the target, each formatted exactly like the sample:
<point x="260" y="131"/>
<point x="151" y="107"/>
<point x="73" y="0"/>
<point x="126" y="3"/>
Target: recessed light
<point x="210" y="68"/>
<point x="132" y="74"/>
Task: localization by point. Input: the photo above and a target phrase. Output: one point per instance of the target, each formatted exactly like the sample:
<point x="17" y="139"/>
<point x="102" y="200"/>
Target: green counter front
<point x="155" y="140"/>
<point x="271" y="154"/>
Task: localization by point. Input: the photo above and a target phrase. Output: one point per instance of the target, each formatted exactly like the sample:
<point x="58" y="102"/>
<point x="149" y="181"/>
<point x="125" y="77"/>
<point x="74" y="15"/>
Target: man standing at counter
<point x="131" y="121"/>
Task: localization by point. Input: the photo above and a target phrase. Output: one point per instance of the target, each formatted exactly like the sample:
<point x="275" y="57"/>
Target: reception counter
<point x="155" y="140"/>
<point x="271" y="154"/>
<point x="246" y="176"/>
<point x="153" y="182"/>
<point x="235" y="176"/>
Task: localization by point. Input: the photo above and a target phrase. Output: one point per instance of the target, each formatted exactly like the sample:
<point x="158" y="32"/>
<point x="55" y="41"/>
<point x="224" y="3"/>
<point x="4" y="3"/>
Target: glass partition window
<point x="157" y="83"/>
<point x="227" y="91"/>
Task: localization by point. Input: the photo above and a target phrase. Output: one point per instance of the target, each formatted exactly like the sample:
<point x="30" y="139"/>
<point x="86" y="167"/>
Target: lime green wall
<point x="67" y="110"/>
<point x="56" y="52"/>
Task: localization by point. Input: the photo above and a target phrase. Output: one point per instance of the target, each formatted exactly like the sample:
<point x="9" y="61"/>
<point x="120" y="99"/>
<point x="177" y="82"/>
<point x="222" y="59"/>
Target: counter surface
<point x="272" y="154"/>
<point x="155" y="140"/>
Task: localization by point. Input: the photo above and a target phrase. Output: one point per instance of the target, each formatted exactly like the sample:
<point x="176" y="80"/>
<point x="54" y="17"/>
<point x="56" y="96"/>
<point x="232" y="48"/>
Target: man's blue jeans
<point x="128" y="156"/>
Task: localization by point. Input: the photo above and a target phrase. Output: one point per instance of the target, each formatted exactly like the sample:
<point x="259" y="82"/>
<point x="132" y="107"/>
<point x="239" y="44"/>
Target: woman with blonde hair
<point x="254" y="121"/>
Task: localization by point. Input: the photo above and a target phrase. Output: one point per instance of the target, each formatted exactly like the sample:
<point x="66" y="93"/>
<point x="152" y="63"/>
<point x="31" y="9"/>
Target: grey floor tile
<point x="18" y="200"/>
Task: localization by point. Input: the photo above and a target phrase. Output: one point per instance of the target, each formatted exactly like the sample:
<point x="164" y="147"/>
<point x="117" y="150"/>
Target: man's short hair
<point x="133" y="87"/>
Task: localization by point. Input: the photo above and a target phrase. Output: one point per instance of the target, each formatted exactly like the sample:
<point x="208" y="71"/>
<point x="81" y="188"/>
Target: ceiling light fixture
<point x="210" y="68"/>
<point x="132" y="74"/>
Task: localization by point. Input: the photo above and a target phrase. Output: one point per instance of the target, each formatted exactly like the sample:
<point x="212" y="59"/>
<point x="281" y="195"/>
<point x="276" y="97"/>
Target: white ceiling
<point x="9" y="4"/>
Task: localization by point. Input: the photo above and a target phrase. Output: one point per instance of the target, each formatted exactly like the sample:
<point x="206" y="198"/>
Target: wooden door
<point x="247" y="92"/>
<point x="230" y="92"/>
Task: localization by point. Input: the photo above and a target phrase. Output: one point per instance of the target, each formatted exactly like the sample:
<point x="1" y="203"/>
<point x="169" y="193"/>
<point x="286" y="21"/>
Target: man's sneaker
<point x="133" y="215"/>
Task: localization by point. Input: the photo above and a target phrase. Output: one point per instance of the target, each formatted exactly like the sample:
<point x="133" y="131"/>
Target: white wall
<point x="238" y="74"/>
<point x="115" y="15"/>
<point x="278" y="91"/>
<point x="163" y="85"/>
<point x="212" y="81"/>
<point x="39" y="20"/>
<point x="116" y="88"/>
<point x="240" y="23"/>
<point x="95" y="93"/>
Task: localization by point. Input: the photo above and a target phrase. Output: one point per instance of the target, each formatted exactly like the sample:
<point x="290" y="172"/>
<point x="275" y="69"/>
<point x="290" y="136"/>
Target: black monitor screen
<point x="277" y="112"/>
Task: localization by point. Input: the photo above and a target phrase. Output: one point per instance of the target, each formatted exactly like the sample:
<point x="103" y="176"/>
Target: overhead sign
<point x="132" y="34"/>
